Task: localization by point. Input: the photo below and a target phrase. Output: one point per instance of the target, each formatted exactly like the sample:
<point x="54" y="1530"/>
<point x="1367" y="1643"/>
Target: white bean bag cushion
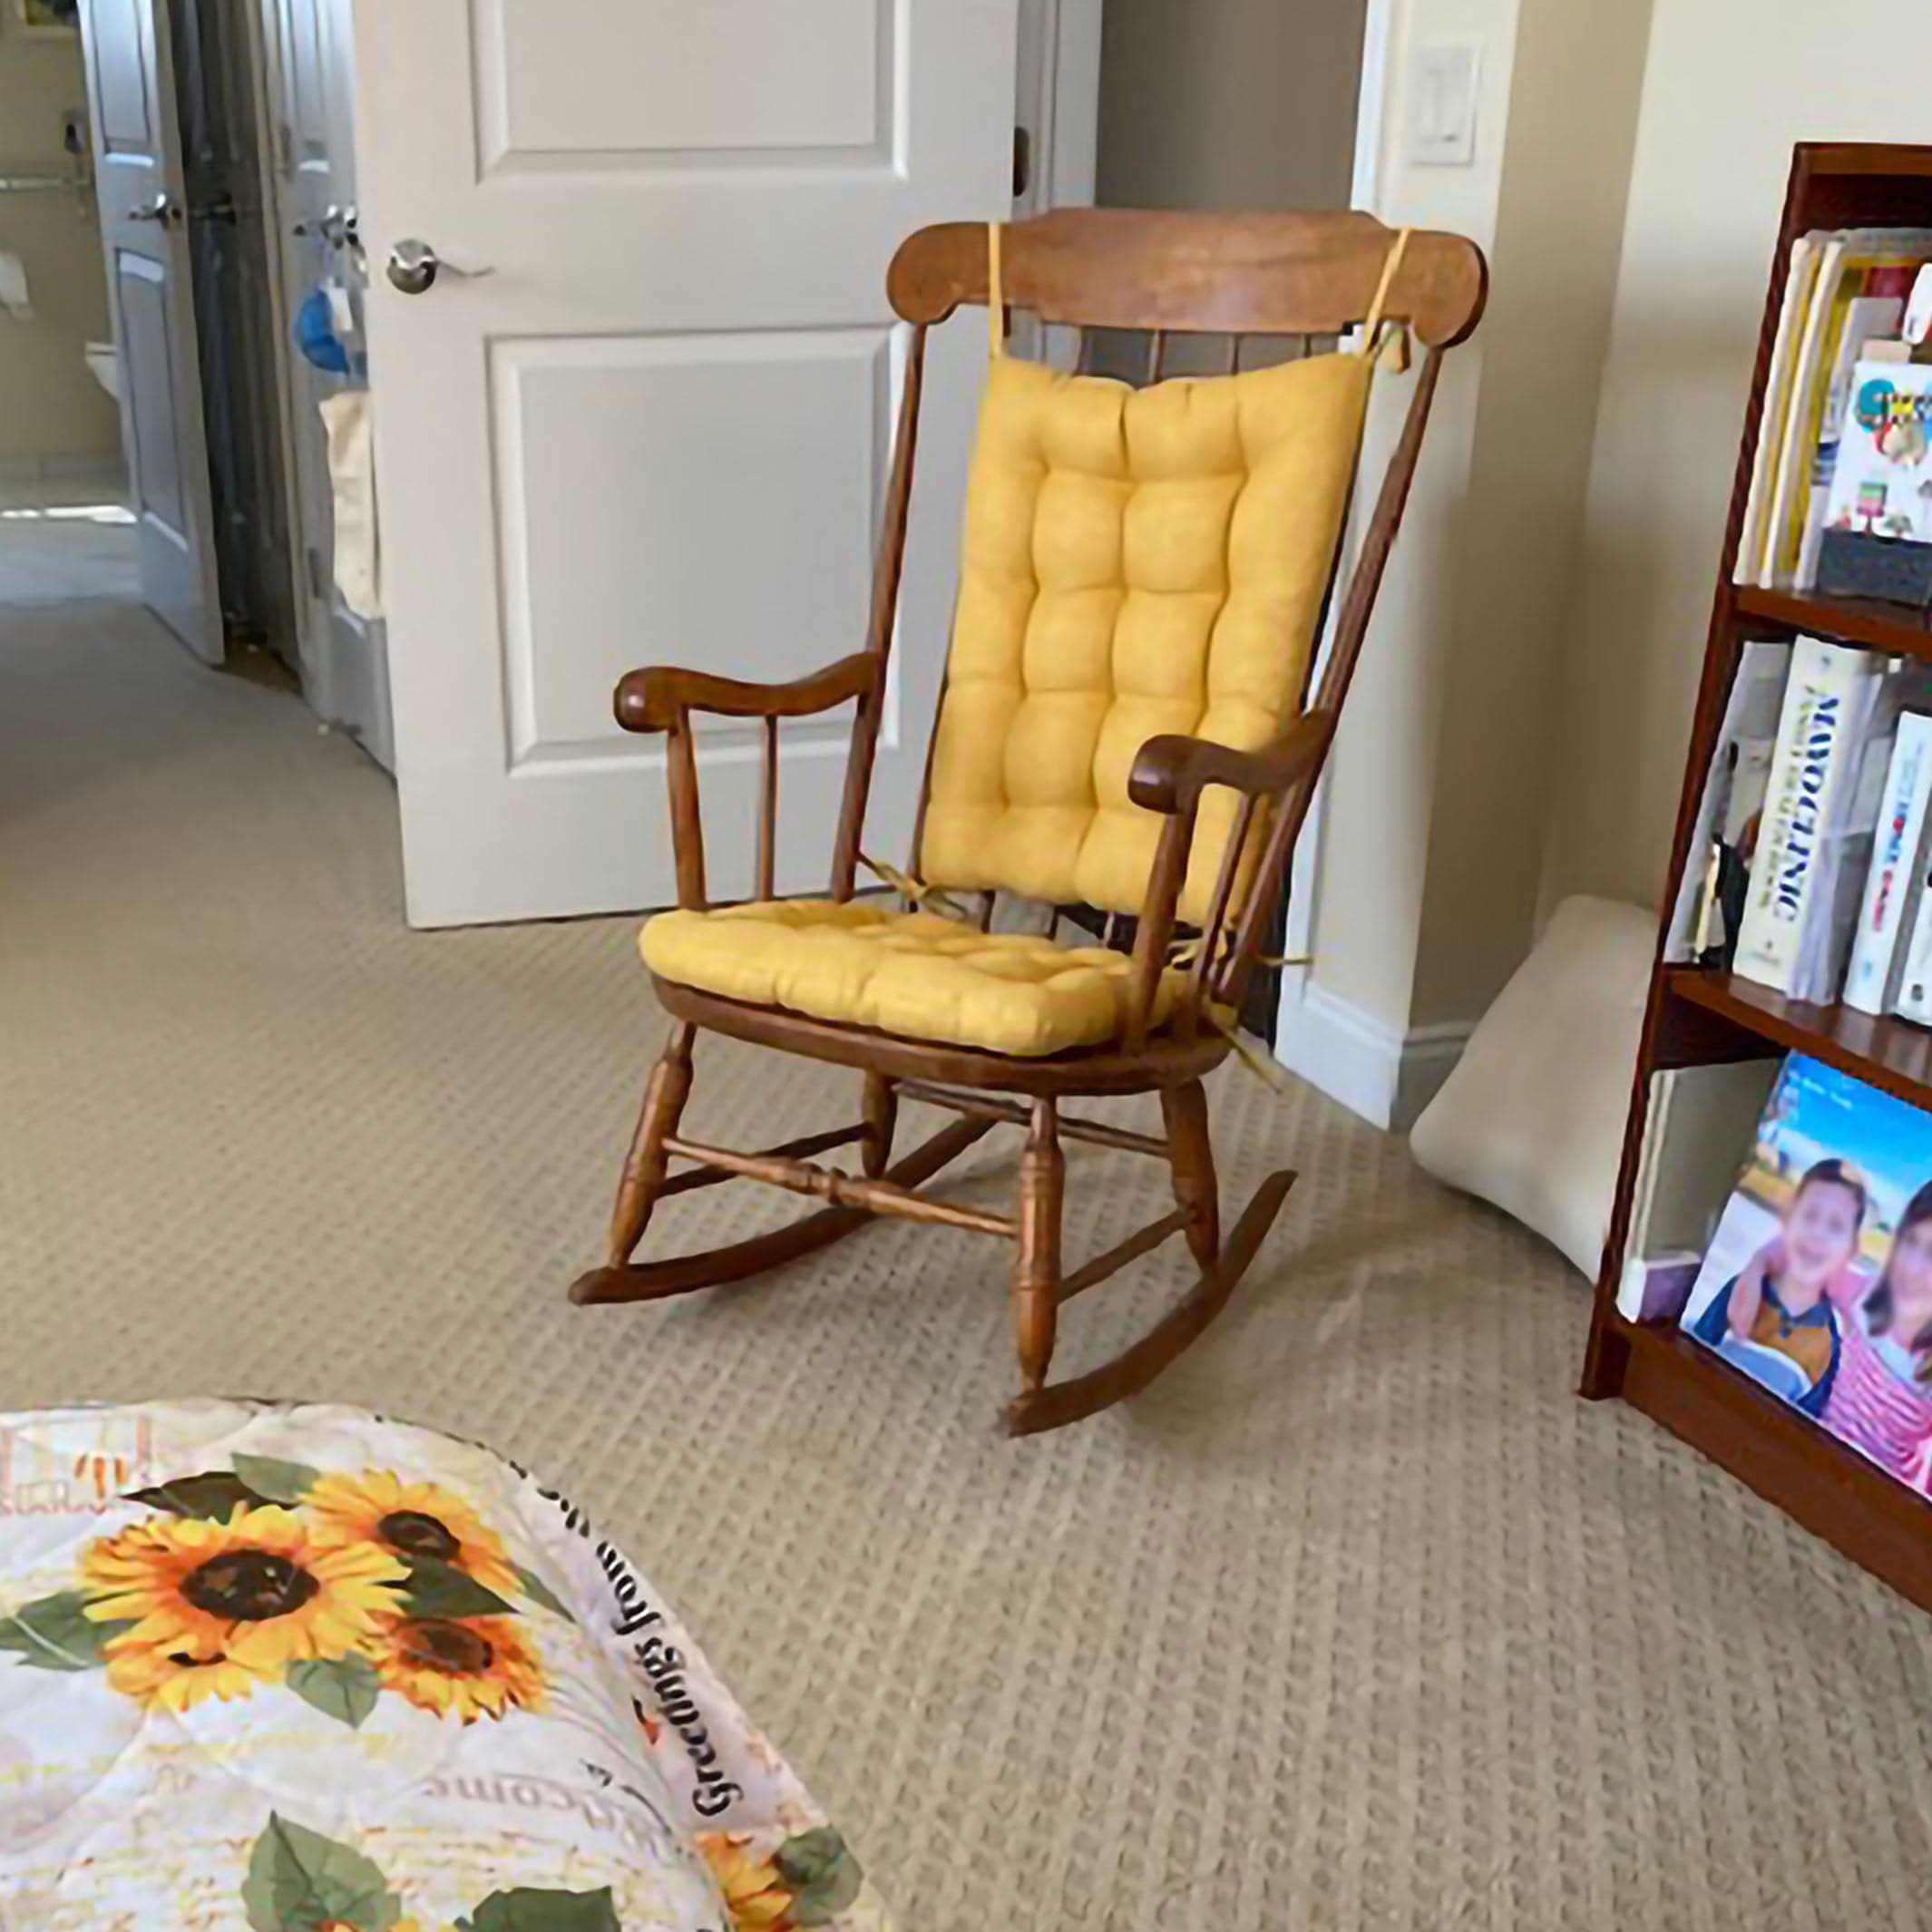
<point x="302" y="1668"/>
<point x="1532" y="1118"/>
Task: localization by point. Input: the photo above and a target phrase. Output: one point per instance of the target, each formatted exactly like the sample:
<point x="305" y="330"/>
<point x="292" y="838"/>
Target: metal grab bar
<point x="39" y="183"/>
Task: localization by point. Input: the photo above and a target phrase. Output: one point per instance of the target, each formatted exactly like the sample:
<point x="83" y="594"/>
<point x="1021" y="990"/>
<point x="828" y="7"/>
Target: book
<point x="1882" y="483"/>
<point x="1710" y="906"/>
<point x="1791" y="316"/>
<point x="1867" y="318"/>
<point x="1657" y="1287"/>
<point x="1695" y="1119"/>
<point x="1846" y="291"/>
<point x="1818" y="1281"/>
<point x="1783" y="940"/>
<point x="1913" y="999"/>
<point x="1895" y="880"/>
<point x="1785" y="518"/>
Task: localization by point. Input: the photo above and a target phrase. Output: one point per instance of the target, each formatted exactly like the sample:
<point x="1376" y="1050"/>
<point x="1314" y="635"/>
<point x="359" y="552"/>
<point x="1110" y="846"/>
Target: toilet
<point x="104" y="360"/>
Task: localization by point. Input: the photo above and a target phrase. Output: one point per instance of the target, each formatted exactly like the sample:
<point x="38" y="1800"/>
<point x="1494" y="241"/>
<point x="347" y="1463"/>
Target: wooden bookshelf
<point x="1896" y="629"/>
<point x="1699" y="1018"/>
<point x="1891" y="1054"/>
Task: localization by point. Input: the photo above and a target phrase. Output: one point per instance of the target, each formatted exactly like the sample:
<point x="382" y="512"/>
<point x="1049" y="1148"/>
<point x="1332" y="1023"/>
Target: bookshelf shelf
<point x="1896" y="629"/>
<point x="1814" y="1477"/>
<point x="1891" y="1054"/>
<point x="1698" y="1018"/>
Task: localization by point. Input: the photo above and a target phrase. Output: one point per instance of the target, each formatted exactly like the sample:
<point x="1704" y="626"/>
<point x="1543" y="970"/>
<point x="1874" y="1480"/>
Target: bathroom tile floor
<point x="67" y="538"/>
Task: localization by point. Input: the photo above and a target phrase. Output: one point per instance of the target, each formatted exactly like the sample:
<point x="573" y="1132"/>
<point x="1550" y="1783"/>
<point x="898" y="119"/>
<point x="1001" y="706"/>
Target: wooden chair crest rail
<point x="1291" y="275"/>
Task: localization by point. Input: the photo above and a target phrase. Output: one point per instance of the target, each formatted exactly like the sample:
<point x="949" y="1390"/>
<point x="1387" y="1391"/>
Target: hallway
<point x="1238" y="1655"/>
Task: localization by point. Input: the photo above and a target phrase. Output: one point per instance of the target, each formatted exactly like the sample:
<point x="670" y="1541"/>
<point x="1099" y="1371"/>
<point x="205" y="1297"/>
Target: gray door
<point x="345" y="671"/>
<point x="144" y="229"/>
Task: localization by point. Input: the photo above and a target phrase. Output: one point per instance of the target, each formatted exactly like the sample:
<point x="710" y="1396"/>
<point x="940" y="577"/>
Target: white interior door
<point x="309" y="45"/>
<point x="658" y="430"/>
<point x="143" y="201"/>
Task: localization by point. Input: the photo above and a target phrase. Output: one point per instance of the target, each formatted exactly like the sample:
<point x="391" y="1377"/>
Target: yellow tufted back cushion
<point x="1135" y="561"/>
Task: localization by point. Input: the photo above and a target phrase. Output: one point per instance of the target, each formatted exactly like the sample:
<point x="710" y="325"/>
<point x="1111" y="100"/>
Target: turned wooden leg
<point x="1194" y="1187"/>
<point x="665" y="1093"/>
<point x="880" y="1114"/>
<point x="1037" y="1251"/>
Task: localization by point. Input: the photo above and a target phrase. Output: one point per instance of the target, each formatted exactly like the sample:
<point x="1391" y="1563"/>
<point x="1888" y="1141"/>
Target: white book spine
<point x="1915" y="988"/>
<point x="1818" y="735"/>
<point x="1895" y="861"/>
<point x="1771" y="423"/>
<point x="1794" y="460"/>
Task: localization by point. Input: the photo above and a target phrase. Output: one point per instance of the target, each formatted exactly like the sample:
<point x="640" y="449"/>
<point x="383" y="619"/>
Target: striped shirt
<point x="1880" y="1416"/>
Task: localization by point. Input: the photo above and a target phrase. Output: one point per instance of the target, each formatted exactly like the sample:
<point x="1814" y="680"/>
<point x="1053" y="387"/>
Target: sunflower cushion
<point x="1135" y="562"/>
<point x="911" y="973"/>
<point x="296" y="1668"/>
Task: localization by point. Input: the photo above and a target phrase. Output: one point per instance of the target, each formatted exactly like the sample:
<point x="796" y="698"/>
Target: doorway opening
<point x="180" y="311"/>
<point x="65" y="530"/>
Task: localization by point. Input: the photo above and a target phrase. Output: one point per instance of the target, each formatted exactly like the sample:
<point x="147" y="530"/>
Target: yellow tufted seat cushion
<point x="1134" y="563"/>
<point x="909" y="973"/>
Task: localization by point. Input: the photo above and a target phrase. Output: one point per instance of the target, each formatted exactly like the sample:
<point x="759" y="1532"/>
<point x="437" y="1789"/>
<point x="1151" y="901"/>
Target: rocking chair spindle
<point x="1012" y="1046"/>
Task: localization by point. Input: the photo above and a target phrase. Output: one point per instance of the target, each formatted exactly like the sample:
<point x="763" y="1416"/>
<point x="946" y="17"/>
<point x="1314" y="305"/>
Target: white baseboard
<point x="60" y="466"/>
<point x="1387" y="1078"/>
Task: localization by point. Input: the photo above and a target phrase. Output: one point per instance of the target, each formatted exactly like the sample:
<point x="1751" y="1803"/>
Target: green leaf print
<point x="214" y="1497"/>
<point x="275" y="1481"/>
<point x="821" y="1874"/>
<point x="540" y="1592"/>
<point x="437" y="1590"/>
<point x="344" y="1688"/>
<point x="529" y="1910"/>
<point x="299" y="1880"/>
<point x="55" y="1633"/>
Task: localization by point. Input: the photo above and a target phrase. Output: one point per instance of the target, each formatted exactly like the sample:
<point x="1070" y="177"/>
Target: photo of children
<point x="1818" y="1282"/>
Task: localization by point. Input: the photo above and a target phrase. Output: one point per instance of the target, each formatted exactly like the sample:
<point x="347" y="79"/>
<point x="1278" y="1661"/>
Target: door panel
<point x="658" y="431"/>
<point x="782" y="441"/>
<point x="662" y="76"/>
<point x="147" y="357"/>
<point x="345" y="673"/>
<point x="143" y="193"/>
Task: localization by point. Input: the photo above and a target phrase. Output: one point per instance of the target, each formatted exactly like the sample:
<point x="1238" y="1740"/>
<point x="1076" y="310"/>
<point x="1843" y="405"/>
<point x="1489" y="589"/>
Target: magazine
<point x="1817" y="1283"/>
<point x="1880" y="481"/>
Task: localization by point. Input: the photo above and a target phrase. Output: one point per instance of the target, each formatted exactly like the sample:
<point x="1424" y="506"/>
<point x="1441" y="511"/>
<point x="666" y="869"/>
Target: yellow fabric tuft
<point x="1135" y="561"/>
<point x="909" y="973"/>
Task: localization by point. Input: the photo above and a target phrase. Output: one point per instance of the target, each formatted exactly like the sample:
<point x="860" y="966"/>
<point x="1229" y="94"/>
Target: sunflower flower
<point x="755" y="1895"/>
<point x="214" y="1607"/>
<point x="414" y="1520"/>
<point x="467" y="1668"/>
<point x="178" y="1680"/>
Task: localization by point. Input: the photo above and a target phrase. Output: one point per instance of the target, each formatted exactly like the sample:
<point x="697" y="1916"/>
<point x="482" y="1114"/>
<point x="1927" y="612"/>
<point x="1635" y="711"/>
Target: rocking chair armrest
<point x="1171" y="772"/>
<point x="654" y="698"/>
<point x="1168" y="776"/>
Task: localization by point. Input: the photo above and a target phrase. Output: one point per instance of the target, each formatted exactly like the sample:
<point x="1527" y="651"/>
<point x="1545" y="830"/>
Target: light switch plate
<point x="1441" y="119"/>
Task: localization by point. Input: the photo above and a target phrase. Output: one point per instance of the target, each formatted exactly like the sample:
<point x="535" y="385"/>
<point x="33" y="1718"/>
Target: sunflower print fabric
<point x="306" y="1670"/>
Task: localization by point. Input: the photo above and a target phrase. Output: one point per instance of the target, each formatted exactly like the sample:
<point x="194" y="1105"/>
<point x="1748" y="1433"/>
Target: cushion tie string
<point x="927" y="898"/>
<point x="1374" y="343"/>
<point x="995" y="293"/>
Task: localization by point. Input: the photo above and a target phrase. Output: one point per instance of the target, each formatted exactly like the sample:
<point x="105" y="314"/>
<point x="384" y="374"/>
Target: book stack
<point x="1814" y="839"/>
<point x="1841" y="376"/>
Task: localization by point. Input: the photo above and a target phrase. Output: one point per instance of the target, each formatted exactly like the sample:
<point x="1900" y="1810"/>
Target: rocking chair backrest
<point x="1151" y="562"/>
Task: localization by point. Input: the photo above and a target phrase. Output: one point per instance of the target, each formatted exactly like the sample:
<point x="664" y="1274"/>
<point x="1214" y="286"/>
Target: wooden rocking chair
<point x="1143" y="578"/>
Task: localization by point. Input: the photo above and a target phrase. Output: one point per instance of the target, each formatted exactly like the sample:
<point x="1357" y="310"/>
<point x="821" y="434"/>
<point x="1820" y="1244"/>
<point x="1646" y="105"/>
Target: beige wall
<point x="1730" y="85"/>
<point x="1573" y="119"/>
<point x="50" y="407"/>
<point x="1228" y="104"/>
<point x="1434" y="825"/>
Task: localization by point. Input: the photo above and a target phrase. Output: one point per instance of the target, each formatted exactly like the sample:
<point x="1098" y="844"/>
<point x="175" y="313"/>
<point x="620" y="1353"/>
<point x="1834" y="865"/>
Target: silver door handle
<point x="161" y="209"/>
<point x="413" y="267"/>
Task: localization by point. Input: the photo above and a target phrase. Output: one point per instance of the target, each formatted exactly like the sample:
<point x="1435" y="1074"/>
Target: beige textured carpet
<point x="1358" y="1620"/>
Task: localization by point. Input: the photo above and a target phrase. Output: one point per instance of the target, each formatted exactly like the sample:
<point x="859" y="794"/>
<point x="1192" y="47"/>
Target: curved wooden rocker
<point x="1234" y="276"/>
